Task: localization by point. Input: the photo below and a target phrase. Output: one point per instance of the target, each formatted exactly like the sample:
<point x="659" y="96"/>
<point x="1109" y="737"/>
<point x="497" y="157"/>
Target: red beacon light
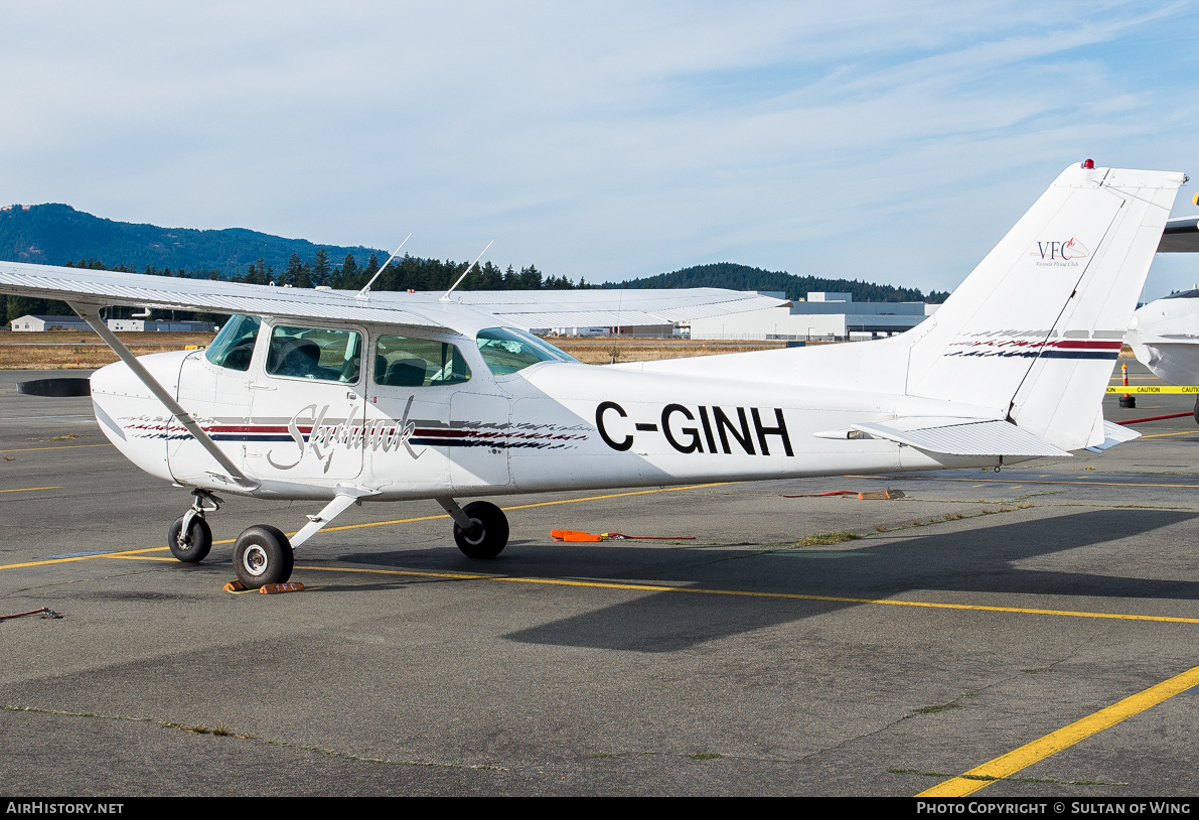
<point x="1088" y="163"/>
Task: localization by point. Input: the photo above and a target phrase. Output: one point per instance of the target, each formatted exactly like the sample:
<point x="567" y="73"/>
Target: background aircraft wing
<point x="1180" y="236"/>
<point x="210" y="296"/>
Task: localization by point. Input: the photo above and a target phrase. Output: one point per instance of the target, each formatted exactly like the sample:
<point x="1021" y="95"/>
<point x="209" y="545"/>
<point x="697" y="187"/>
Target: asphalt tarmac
<point x="975" y="617"/>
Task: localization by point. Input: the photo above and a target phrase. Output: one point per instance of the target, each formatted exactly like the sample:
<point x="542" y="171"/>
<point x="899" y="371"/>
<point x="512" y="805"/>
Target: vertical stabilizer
<point x="1035" y="329"/>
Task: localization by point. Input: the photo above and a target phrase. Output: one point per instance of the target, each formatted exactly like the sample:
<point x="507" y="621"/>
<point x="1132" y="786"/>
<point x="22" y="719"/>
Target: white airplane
<point x="343" y="398"/>
<point x="1164" y="334"/>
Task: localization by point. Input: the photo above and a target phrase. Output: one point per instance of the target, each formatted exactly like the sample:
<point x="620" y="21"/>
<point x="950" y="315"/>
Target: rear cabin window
<point x="401" y="361"/>
<point x="506" y="350"/>
<point x="314" y="353"/>
<point x="233" y="347"/>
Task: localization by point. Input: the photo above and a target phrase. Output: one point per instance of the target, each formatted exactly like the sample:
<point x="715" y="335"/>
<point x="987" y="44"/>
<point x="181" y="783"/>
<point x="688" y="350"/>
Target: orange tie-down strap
<point x="873" y="495"/>
<point x="576" y="535"/>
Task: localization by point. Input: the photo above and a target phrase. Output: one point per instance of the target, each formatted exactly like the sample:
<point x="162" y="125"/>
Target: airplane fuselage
<point x="554" y="425"/>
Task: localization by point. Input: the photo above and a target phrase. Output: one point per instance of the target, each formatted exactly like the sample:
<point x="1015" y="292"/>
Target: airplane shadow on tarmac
<point x="979" y="560"/>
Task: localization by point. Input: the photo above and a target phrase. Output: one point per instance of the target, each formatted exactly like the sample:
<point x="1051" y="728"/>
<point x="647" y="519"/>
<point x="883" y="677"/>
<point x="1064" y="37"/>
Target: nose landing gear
<point x="190" y="537"/>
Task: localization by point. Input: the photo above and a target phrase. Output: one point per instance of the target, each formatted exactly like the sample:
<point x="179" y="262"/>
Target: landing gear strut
<point x="190" y="537"/>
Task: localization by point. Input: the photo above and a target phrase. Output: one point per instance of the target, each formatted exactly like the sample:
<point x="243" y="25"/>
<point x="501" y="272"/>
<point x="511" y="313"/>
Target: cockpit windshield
<point x="506" y="350"/>
<point x="233" y="347"/>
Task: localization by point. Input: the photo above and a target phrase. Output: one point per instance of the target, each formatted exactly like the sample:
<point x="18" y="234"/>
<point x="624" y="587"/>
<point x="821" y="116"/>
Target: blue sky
<point x="892" y="142"/>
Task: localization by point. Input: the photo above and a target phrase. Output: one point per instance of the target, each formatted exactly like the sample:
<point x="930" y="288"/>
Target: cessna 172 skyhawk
<point x="343" y="397"/>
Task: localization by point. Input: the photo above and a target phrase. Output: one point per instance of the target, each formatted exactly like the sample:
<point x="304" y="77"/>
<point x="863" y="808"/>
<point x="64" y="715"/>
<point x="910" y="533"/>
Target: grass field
<point x="633" y="349"/>
<point x="75" y="350"/>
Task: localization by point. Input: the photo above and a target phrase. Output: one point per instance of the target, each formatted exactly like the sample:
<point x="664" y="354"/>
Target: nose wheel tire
<point x="261" y="556"/>
<point x="190" y="547"/>
<point x="489" y="535"/>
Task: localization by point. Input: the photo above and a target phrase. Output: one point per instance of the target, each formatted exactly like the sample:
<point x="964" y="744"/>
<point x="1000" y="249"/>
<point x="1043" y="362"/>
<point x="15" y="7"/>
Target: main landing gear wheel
<point x="190" y="547"/>
<point x="261" y="556"/>
<point x="489" y="535"/>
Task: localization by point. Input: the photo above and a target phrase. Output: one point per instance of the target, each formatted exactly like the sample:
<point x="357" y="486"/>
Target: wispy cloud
<point x="876" y="140"/>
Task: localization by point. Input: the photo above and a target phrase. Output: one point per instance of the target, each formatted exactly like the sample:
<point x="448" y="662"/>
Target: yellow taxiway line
<point x="60" y="447"/>
<point x="141" y="554"/>
<point x="29" y="489"/>
<point x="1014" y="761"/>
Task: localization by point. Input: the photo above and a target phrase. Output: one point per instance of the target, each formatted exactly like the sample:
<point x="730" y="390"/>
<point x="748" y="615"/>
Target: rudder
<point x="1035" y="328"/>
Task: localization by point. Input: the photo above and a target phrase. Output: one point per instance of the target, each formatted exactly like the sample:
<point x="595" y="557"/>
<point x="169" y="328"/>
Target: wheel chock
<point x="275" y="589"/>
<point x="235" y="586"/>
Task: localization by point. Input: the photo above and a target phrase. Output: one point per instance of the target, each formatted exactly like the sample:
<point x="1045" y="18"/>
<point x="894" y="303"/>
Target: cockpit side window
<point x="401" y="361"/>
<point x="506" y="350"/>
<point x="314" y="353"/>
<point x="233" y="347"/>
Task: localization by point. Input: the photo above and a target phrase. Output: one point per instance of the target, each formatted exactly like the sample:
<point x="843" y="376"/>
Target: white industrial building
<point x="159" y="326"/>
<point x="39" y="324"/>
<point x="822" y="316"/>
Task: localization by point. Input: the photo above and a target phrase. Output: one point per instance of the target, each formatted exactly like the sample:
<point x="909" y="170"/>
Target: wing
<point x="94" y="287"/>
<point x="613" y="307"/>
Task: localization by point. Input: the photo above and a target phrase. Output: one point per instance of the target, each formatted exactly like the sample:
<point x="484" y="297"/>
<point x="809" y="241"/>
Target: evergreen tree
<point x="322" y="270"/>
<point x="530" y="278"/>
<point x="256" y="272"/>
<point x="298" y="274"/>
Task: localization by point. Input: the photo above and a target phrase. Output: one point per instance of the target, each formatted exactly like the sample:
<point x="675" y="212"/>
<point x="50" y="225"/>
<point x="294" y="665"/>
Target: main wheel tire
<point x="192" y="547"/>
<point x="490" y="534"/>
<point x="261" y="556"/>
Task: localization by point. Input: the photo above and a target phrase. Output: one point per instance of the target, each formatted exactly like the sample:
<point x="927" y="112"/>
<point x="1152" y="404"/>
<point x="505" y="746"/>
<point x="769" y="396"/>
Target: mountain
<point x="56" y="234"/>
<point x="743" y="277"/>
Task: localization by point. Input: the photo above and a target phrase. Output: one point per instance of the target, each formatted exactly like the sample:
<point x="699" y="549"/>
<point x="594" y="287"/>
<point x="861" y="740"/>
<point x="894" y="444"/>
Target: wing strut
<point x="91" y="314"/>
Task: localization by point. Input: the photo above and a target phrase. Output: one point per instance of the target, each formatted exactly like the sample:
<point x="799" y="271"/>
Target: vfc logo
<point x="1070" y="249"/>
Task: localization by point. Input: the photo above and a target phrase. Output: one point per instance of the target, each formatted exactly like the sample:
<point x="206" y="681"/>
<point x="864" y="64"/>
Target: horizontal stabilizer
<point x="1114" y="434"/>
<point x="1180" y="236"/>
<point x="56" y="388"/>
<point x="971" y="438"/>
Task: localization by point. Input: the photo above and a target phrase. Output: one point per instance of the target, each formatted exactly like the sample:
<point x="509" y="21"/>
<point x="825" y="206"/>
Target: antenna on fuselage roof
<point x="446" y="296"/>
<point x="365" y="292"/>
